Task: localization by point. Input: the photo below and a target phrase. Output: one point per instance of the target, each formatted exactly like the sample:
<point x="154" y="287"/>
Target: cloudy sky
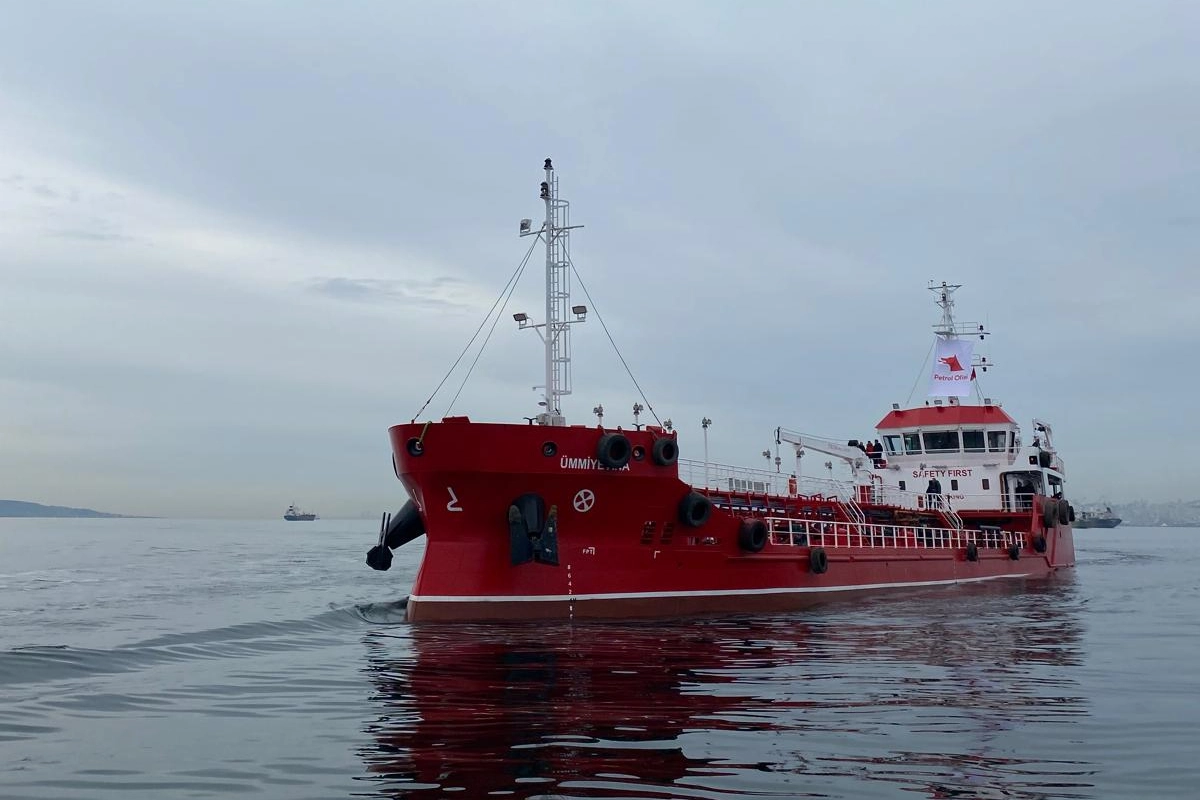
<point x="239" y="240"/>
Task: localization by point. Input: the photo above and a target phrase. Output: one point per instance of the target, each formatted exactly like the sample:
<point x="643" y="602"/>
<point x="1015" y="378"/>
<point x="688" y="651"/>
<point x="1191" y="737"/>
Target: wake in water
<point x="41" y="663"/>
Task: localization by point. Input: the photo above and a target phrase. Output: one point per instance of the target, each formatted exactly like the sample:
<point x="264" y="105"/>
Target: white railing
<point x="746" y="480"/>
<point x="728" y="478"/>
<point x="786" y="532"/>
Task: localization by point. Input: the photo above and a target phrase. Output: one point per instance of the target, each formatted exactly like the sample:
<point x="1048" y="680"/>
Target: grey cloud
<point x="434" y="293"/>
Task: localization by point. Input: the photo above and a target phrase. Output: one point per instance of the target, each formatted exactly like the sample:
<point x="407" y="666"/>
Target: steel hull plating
<point x="623" y="548"/>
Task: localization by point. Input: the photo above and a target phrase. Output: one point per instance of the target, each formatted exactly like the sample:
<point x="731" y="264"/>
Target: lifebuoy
<point x="613" y="450"/>
<point x="694" y="509"/>
<point x="665" y="452"/>
<point x="1014" y="551"/>
<point x="1039" y="544"/>
<point x="752" y="535"/>
<point x="972" y="551"/>
<point x="1049" y="512"/>
<point x="818" y="560"/>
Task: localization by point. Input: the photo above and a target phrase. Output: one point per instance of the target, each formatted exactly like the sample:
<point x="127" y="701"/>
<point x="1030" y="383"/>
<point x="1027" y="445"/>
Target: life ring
<point x="613" y="451"/>
<point x="818" y="561"/>
<point x="972" y="551"/>
<point x="694" y="509"/>
<point x="1064" y="512"/>
<point x="1014" y="551"/>
<point x="1049" y="512"/>
<point x="1039" y="544"/>
<point x="665" y="452"/>
<point x="752" y="535"/>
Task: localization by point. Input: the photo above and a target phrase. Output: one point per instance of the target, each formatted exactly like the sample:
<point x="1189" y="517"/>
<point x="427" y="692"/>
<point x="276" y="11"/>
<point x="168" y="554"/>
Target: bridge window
<point x="973" y="441"/>
<point x="941" y="441"/>
<point x="892" y="443"/>
<point x="996" y="441"/>
<point x="912" y="443"/>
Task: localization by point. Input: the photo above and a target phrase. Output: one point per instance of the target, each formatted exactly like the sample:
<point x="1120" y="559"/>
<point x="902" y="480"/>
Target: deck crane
<point x="853" y="456"/>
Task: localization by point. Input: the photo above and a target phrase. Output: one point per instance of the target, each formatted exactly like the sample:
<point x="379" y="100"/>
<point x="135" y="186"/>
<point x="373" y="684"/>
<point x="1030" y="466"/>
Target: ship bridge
<point x="974" y="452"/>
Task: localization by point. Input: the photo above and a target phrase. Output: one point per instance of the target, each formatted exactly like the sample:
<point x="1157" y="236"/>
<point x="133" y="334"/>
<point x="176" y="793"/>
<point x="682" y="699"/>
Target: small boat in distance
<point x="1097" y="519"/>
<point x="294" y="514"/>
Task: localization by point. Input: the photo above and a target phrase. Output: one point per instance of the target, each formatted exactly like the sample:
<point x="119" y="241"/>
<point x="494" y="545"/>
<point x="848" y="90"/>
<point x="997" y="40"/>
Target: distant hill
<point x="19" y="508"/>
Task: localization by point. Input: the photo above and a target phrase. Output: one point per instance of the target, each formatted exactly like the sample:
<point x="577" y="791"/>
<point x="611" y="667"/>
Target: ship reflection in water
<point x="965" y="693"/>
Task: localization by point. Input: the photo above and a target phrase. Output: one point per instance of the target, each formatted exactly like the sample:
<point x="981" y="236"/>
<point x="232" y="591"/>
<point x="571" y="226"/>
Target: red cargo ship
<point x="550" y="520"/>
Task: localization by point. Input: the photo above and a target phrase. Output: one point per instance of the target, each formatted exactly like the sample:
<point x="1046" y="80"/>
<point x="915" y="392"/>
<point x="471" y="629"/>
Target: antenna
<point x="555" y="331"/>
<point x="949" y="328"/>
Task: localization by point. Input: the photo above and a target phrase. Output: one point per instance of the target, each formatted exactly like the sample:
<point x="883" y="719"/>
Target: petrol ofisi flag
<point x="952" y="370"/>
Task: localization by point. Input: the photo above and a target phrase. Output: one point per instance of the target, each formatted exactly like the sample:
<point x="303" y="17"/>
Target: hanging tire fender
<point x="1049" y="512"/>
<point x="818" y="560"/>
<point x="665" y="451"/>
<point x="972" y="551"/>
<point x="613" y="451"/>
<point x="694" y="509"/>
<point x="752" y="535"/>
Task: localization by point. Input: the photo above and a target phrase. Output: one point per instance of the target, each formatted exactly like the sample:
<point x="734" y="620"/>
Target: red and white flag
<point x="952" y="371"/>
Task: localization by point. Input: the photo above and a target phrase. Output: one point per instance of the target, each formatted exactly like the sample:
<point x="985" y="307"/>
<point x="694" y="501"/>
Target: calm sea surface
<point x="161" y="659"/>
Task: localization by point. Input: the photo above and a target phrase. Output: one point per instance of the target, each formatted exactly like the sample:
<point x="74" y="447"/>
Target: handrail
<point x="787" y="531"/>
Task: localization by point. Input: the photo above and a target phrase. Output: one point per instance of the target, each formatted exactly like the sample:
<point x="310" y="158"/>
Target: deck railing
<point x="786" y="531"/>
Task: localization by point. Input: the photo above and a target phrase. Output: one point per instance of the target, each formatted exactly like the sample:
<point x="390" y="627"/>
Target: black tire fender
<point x="613" y="450"/>
<point x="665" y="451"/>
<point x="694" y="509"/>
<point x="818" y="560"/>
<point x="752" y="535"/>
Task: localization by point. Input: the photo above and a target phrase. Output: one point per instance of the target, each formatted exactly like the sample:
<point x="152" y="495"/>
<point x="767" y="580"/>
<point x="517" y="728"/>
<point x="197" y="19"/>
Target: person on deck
<point x="934" y="492"/>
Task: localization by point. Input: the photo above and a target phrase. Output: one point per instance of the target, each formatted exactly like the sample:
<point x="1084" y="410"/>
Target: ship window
<point x="892" y="443"/>
<point x="902" y="486"/>
<point x="987" y="484"/>
<point x="973" y="441"/>
<point x="996" y="441"/>
<point x="941" y="441"/>
<point x="912" y="443"/>
<point x="954" y="485"/>
<point x="1012" y="442"/>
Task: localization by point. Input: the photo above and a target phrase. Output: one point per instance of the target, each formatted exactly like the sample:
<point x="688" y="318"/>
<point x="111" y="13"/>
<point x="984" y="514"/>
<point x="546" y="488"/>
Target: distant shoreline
<point x="27" y="510"/>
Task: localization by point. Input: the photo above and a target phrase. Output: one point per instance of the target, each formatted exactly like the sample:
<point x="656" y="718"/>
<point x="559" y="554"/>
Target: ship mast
<point x="556" y="330"/>
<point x="948" y="328"/>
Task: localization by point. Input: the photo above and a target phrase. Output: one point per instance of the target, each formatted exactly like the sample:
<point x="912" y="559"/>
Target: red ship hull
<point x="625" y="548"/>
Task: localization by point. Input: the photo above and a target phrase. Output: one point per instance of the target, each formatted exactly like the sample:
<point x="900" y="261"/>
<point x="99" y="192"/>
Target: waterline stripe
<point x="551" y="598"/>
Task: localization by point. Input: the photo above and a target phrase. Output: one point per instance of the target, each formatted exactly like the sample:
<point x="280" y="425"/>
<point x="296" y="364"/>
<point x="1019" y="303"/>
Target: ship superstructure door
<point x="1012" y="484"/>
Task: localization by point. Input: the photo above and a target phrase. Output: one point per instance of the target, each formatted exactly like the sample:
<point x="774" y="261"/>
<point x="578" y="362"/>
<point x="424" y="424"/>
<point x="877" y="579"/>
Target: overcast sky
<point x="240" y="240"/>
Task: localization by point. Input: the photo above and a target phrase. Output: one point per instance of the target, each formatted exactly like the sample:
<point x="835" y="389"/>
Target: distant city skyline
<point x="239" y="241"/>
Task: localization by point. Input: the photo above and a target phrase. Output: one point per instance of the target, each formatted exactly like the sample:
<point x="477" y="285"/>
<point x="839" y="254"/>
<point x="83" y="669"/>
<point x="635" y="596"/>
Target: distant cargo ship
<point x="294" y="514"/>
<point x="1097" y="519"/>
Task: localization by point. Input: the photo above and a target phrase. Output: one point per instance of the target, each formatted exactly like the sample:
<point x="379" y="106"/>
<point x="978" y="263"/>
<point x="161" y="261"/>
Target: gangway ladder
<point x="855" y="513"/>
<point x="951" y="514"/>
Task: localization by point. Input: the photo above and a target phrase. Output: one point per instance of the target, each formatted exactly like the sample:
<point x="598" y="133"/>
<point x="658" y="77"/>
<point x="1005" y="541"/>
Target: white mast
<point x="948" y="328"/>
<point x="556" y="336"/>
